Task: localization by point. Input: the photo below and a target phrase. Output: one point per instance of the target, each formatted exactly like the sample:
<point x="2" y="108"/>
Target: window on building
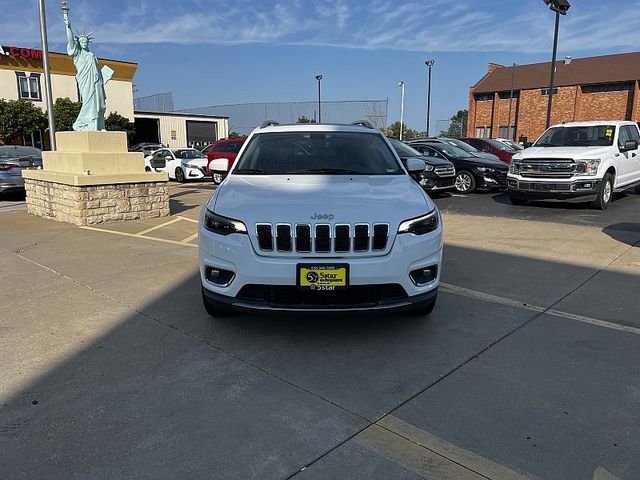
<point x="29" y="86"/>
<point x="545" y="92"/>
<point x="34" y="139"/>
<point x="507" y="132"/>
<point x="507" y="95"/>
<point x="483" y="132"/>
<point x="608" y="87"/>
<point x="484" y="96"/>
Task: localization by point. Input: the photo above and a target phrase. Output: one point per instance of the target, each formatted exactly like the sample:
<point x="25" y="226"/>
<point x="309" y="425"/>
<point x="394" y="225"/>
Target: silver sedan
<point x="14" y="159"/>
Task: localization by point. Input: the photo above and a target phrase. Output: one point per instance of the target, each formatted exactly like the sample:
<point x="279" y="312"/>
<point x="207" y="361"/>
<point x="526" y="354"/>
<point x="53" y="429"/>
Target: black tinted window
<point x="318" y="153"/>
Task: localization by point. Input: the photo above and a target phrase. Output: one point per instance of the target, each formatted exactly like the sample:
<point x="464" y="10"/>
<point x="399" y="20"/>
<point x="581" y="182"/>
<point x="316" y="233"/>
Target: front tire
<point x="605" y="193"/>
<point x="465" y="182"/>
<point x="180" y="175"/>
<point x="215" y="309"/>
<point x="217" y="178"/>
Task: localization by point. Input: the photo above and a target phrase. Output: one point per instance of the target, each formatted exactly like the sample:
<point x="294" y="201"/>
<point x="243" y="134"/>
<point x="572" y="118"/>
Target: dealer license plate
<point x="323" y="277"/>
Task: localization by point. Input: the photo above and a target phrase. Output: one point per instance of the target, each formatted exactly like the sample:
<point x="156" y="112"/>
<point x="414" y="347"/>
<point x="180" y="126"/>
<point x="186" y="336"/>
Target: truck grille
<point x="446" y="171"/>
<point x="548" y="167"/>
<point x="322" y="237"/>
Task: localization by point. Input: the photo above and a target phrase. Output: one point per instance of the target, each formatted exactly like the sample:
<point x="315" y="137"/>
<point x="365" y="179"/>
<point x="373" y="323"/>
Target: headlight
<point x="587" y="167"/>
<point x="222" y="225"/>
<point x="486" y="170"/>
<point x="421" y="225"/>
<point x="514" y="167"/>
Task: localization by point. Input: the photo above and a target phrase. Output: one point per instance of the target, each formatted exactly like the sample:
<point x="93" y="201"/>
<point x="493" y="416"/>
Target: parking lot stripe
<point x="469" y="460"/>
<point x="189" y="238"/>
<point x="148" y="230"/>
<point x="188" y="219"/>
<point x="487" y="297"/>
<point x="138" y="236"/>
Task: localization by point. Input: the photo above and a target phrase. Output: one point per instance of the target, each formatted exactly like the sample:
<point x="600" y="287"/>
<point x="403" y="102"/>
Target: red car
<point x="490" y="145"/>
<point x="225" y="148"/>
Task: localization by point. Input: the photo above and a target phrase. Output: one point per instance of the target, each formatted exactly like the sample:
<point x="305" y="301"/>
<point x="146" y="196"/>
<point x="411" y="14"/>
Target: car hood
<point x="486" y="162"/>
<point x="562" y="152"/>
<point x="297" y="198"/>
<point x="436" y="162"/>
<point x="488" y="155"/>
<point x="195" y="162"/>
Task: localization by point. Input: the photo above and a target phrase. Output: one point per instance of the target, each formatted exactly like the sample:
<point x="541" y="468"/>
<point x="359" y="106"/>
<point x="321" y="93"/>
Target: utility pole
<point x="47" y="71"/>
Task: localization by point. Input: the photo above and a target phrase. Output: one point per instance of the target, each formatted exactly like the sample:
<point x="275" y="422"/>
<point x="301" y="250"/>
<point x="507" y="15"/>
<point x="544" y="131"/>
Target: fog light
<point x="219" y="276"/>
<point x="513" y="183"/>
<point x="425" y="275"/>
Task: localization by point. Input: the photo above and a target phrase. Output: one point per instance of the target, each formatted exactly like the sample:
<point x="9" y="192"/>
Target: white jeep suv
<point x="321" y="218"/>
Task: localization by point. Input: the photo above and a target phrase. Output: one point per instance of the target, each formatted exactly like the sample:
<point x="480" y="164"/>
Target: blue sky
<point x="212" y="52"/>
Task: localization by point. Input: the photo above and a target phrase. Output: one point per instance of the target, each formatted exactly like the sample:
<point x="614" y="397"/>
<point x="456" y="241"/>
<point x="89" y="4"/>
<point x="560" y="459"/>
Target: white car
<point x="181" y="164"/>
<point x="578" y="162"/>
<point x="321" y="218"/>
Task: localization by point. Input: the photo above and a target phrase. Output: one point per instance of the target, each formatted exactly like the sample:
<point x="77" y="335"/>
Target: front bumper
<point x="11" y="182"/>
<point x="276" y="276"/>
<point x="491" y="180"/>
<point x="582" y="190"/>
<point x="434" y="183"/>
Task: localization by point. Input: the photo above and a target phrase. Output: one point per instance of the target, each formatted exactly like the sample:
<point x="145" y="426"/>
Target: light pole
<point x="401" y="85"/>
<point x="47" y="69"/>
<point x="513" y="79"/>
<point x="429" y="63"/>
<point x="560" y="7"/>
<point x="319" y="78"/>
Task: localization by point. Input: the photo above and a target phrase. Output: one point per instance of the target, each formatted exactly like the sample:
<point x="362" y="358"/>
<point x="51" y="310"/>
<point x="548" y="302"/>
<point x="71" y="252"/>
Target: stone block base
<point x="94" y="204"/>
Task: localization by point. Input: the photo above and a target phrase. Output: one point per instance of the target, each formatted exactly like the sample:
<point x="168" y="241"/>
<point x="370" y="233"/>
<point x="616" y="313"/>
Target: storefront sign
<point x="24" y="53"/>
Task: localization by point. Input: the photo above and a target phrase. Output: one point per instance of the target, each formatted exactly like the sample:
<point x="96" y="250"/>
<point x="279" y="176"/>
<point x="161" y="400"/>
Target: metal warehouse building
<point x="594" y="88"/>
<point x="180" y="129"/>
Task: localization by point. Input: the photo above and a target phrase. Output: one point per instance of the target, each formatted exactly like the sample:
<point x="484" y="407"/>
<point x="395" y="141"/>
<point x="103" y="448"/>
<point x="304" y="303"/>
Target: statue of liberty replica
<point x="91" y="79"/>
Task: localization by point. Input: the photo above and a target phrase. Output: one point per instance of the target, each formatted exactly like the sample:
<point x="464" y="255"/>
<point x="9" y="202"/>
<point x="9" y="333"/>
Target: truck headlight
<point x="514" y="167"/>
<point x="222" y="225"/>
<point x="421" y="225"/>
<point x="587" y="167"/>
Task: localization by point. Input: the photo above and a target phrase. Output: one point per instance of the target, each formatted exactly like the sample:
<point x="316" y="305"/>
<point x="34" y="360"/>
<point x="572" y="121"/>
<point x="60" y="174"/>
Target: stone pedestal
<point x="93" y="179"/>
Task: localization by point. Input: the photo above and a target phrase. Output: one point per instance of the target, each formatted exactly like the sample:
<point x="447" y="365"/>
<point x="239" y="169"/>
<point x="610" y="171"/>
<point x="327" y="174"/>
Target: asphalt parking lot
<point x="528" y="368"/>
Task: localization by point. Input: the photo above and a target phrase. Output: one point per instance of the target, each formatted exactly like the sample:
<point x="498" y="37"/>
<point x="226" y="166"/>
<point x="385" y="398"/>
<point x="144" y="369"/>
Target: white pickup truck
<point x="579" y="162"/>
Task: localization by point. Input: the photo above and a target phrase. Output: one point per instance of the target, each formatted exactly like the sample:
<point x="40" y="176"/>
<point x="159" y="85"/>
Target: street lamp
<point x="401" y="85"/>
<point x="560" y="7"/>
<point x="429" y="63"/>
<point x="47" y="69"/>
<point x="319" y="78"/>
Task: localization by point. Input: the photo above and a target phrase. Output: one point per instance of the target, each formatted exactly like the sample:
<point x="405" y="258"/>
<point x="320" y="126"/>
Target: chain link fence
<point x="244" y="117"/>
<point x="159" y="102"/>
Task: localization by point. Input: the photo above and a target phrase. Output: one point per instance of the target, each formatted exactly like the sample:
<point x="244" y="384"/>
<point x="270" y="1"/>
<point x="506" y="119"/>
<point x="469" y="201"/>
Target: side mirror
<point x="219" y="165"/>
<point x="629" y="145"/>
<point x="415" y="165"/>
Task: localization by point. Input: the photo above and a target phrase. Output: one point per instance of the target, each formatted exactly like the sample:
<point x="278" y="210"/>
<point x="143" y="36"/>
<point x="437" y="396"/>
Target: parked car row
<point x="13" y="160"/>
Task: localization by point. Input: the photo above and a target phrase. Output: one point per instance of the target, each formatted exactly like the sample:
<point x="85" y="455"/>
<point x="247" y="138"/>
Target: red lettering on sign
<point x="36" y="54"/>
<point x="25" y="53"/>
<point x="14" y="52"/>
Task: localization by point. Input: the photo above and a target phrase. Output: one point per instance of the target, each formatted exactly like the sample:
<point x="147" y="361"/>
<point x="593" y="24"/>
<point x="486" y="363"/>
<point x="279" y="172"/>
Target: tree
<point x="303" y="119"/>
<point x="234" y="135"/>
<point x="458" y="126"/>
<point x="394" y="131"/>
<point x="117" y="123"/>
<point x="65" y="112"/>
<point x="19" y="118"/>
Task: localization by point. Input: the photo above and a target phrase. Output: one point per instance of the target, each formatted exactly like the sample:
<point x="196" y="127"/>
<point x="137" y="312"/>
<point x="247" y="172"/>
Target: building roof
<point x="141" y="113"/>
<point x="624" y="67"/>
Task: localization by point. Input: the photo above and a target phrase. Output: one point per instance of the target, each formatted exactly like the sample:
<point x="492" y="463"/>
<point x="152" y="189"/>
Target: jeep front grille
<point x="322" y="237"/>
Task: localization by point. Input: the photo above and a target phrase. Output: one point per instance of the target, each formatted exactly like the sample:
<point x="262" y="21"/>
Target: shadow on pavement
<point x="624" y="232"/>
<point x="168" y="392"/>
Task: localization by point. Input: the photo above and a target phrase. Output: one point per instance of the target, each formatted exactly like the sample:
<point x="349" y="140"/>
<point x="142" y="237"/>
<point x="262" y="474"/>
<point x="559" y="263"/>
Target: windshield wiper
<point x="327" y="170"/>
<point x="250" y="171"/>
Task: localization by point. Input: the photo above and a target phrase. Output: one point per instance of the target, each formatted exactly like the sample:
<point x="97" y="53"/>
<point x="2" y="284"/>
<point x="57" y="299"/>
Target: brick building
<point x="594" y="88"/>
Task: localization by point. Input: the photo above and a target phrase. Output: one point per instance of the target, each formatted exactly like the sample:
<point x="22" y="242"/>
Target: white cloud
<point x="409" y="25"/>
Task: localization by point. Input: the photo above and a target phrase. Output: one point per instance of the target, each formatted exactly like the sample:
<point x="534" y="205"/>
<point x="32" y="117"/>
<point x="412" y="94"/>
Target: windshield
<point x="462" y="145"/>
<point x="588" y="136"/>
<point x="13" y="152"/>
<point x="451" y="151"/>
<point x="189" y="153"/>
<point x="304" y="153"/>
<point x="513" y="145"/>
<point x="403" y="149"/>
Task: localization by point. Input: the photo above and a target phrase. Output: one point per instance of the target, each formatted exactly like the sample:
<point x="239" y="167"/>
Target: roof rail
<point x="268" y="123"/>
<point x="362" y="123"/>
